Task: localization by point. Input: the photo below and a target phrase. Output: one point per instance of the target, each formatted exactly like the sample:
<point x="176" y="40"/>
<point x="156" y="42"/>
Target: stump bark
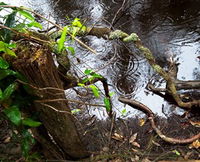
<point x="36" y="63"/>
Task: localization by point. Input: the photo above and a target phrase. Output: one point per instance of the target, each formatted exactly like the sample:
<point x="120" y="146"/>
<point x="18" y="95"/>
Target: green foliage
<point x="107" y="104"/>
<point x="8" y="91"/>
<point x="90" y="76"/>
<point x="30" y="122"/>
<point x="13" y="114"/>
<point x="5" y="47"/>
<point x="62" y="40"/>
<point x="124" y="112"/>
<point x="27" y="141"/>
<point x="12" y="95"/>
<point x="75" y="111"/>
<point x="95" y="91"/>
<point x="3" y="63"/>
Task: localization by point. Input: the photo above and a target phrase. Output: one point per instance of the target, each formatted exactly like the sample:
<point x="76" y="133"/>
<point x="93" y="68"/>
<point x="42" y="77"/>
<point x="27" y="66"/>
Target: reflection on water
<point x="168" y="28"/>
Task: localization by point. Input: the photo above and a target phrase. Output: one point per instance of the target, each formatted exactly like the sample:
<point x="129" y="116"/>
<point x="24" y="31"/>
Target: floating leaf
<point x="26" y="15"/>
<point x="13" y="114"/>
<point x="75" y="111"/>
<point x="62" y="40"/>
<point x="30" y="122"/>
<point x="95" y="90"/>
<point x="107" y="104"/>
<point x="71" y="49"/>
<point x="3" y="64"/>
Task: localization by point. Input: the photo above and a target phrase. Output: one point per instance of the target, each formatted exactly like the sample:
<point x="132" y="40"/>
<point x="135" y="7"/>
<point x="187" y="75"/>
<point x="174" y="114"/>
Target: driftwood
<point x="36" y="63"/>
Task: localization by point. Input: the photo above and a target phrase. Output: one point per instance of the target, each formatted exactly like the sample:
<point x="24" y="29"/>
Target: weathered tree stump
<point x="36" y="63"/>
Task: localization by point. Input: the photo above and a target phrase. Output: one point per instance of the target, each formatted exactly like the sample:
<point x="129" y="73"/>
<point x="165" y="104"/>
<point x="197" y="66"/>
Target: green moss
<point x="133" y="37"/>
<point x="117" y="34"/>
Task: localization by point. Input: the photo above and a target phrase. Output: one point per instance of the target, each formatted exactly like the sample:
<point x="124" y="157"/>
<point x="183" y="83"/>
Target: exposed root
<point x="150" y="114"/>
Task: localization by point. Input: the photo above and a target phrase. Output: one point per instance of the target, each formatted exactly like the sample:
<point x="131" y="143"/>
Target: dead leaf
<point x="142" y="121"/>
<point x="195" y="144"/>
<point x="134" y="150"/>
<point x="117" y="137"/>
<point x="136" y="144"/>
<point x="196" y="124"/>
<point x="7" y="140"/>
<point x="133" y="138"/>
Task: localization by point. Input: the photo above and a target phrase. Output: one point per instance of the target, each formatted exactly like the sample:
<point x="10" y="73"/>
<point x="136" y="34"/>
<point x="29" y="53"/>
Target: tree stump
<point x="36" y="63"/>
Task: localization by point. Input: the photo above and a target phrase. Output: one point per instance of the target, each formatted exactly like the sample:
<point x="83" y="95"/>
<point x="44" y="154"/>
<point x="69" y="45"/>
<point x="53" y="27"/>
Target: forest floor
<point x="123" y="140"/>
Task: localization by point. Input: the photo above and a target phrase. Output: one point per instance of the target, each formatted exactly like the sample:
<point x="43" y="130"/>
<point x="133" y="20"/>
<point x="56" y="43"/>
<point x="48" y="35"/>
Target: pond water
<point x="169" y="29"/>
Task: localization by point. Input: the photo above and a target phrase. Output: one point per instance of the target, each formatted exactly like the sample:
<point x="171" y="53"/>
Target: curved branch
<point x="150" y="114"/>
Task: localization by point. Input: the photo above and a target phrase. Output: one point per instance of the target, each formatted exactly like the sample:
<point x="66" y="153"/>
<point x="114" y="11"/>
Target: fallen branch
<point x="151" y="116"/>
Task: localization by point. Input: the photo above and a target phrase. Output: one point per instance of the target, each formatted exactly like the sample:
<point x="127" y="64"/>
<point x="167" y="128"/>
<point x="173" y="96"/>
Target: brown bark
<point x="35" y="62"/>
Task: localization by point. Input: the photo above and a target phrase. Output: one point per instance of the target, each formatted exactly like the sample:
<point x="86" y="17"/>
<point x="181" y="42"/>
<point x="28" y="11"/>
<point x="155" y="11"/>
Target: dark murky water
<point x="169" y="29"/>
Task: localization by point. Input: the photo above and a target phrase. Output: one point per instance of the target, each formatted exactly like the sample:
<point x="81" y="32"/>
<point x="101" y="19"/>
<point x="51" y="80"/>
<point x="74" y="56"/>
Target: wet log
<point x="35" y="62"/>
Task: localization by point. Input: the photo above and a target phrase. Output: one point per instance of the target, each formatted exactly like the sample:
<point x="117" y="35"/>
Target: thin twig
<point x="150" y="114"/>
<point x="59" y="27"/>
<point x="69" y="100"/>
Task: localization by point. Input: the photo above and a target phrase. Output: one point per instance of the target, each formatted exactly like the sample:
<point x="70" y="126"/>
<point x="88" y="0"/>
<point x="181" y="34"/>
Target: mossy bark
<point x="35" y="62"/>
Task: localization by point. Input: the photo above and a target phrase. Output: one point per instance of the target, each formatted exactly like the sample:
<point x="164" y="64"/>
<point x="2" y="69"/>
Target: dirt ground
<point x="123" y="140"/>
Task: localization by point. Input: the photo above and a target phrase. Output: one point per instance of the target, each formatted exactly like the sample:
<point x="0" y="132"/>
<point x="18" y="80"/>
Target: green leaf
<point x="75" y="111"/>
<point x="20" y="27"/>
<point x="62" y="40"/>
<point x="9" y="91"/>
<point x="2" y="3"/>
<point x="81" y="85"/>
<point x="3" y="63"/>
<point x="95" y="75"/>
<point x="107" y="104"/>
<point x="5" y="48"/>
<point x="5" y="73"/>
<point x="95" y="90"/>
<point x="176" y="152"/>
<point x="87" y="71"/>
<point x="26" y="15"/>
<point x="10" y="52"/>
<point x="71" y="49"/>
<point x="123" y="112"/>
<point x="111" y="94"/>
<point x="13" y="114"/>
<point x="10" y="21"/>
<point x="35" y="24"/>
<point x="1" y="94"/>
<point x="30" y="122"/>
<point x="26" y="142"/>
<point x="76" y="22"/>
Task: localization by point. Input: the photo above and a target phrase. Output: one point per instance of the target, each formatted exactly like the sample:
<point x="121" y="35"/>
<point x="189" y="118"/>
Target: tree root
<point x="151" y="117"/>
